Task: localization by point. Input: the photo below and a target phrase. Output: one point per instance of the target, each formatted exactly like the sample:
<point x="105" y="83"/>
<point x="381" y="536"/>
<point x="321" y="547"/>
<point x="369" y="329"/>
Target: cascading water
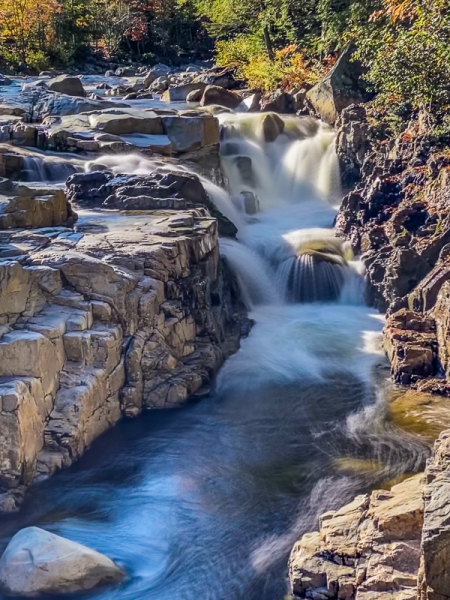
<point x="207" y="501"/>
<point x="44" y="169"/>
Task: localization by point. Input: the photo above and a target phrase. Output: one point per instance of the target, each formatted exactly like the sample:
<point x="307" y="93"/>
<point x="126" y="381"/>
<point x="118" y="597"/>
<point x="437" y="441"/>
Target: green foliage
<point x="406" y="48"/>
<point x="248" y="55"/>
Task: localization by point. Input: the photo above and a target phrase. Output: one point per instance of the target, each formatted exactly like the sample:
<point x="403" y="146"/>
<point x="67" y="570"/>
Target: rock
<point x="154" y="73"/>
<point x="250" y="103"/>
<point x="179" y="93"/>
<point x="339" y="89"/>
<point x="37" y="563"/>
<point x="188" y="133"/>
<point x="434" y="577"/>
<point x="66" y="84"/>
<point x="214" y="94"/>
<point x="12" y="109"/>
<point x="277" y="101"/>
<point x="195" y="95"/>
<point x="62" y="105"/>
<point x="160" y="84"/>
<point x="271" y="126"/>
<point x="369" y="549"/>
<point x="4" y="81"/>
<point x="34" y="206"/>
<point x="125" y="72"/>
<point x="352" y="142"/>
<point x="251" y="203"/>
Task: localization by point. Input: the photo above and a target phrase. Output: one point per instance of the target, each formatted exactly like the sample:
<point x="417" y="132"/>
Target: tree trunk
<point x="268" y="43"/>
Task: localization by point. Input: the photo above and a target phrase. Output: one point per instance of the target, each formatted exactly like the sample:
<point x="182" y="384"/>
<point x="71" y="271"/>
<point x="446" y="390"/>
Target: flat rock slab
<point x="37" y="562"/>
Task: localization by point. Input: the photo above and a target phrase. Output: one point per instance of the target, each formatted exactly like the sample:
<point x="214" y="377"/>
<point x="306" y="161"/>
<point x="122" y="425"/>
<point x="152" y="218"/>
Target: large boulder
<point x="219" y="96"/>
<point x="342" y="87"/>
<point x="191" y="132"/>
<point x="278" y="101"/>
<point x="155" y="72"/>
<point x="37" y="563"/>
<point x="55" y="104"/>
<point x="66" y="84"/>
<point x="179" y="93"/>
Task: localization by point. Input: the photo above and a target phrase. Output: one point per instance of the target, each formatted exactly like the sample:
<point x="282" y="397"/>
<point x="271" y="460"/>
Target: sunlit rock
<point x="38" y="563"/>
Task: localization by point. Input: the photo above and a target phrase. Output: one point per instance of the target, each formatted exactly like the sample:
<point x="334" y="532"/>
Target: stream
<point x="206" y="501"/>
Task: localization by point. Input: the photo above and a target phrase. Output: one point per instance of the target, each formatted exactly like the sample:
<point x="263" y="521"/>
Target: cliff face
<point x="128" y="312"/>
<point x="398" y="218"/>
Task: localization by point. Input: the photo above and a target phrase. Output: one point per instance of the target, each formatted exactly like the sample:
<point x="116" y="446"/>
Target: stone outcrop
<point x="340" y="88"/>
<point x="33" y="206"/>
<point x="159" y="190"/>
<point x="434" y="575"/>
<point x="119" y="130"/>
<point x="38" y="563"/>
<point x="398" y="218"/>
<point x="124" y="312"/>
<point x="367" y="550"/>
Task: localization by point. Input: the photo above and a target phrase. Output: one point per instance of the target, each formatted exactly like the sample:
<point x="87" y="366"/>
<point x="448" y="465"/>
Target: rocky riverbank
<point x="101" y="319"/>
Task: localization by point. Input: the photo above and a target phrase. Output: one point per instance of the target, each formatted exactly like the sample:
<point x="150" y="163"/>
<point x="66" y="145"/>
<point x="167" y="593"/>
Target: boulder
<point x="195" y="95"/>
<point x="278" y="101"/>
<point x="270" y="127"/>
<point x="67" y="84"/>
<point x="188" y="133"/>
<point x="217" y="95"/>
<point x="38" y="563"/>
<point x="340" y="88"/>
<point x="155" y="72"/>
<point x="160" y="84"/>
<point x="5" y="80"/>
<point x="125" y="72"/>
<point x="180" y="93"/>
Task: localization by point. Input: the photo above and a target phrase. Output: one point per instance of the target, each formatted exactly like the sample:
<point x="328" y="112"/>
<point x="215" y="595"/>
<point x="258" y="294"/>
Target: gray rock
<point x="339" y="89"/>
<point x="37" y="562"/>
<point x="217" y="95"/>
<point x="66" y="84"/>
<point x="195" y="95"/>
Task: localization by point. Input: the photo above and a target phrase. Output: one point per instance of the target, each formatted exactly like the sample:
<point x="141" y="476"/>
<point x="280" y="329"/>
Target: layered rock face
<point x="367" y="550"/>
<point x="398" y="218"/>
<point x="126" y="312"/>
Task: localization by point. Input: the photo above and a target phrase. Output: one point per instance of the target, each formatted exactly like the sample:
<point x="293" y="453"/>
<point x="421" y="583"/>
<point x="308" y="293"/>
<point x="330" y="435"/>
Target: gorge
<point x="139" y="269"/>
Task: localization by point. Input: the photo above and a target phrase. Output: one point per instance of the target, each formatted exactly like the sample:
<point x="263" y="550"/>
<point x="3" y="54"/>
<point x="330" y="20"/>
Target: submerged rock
<point x="37" y="563"/>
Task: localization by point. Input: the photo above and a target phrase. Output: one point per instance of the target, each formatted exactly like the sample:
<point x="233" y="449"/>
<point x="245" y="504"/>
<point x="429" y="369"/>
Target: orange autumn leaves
<point x="26" y="24"/>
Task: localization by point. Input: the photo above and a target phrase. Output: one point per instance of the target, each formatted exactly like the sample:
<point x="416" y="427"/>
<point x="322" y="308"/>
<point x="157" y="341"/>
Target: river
<point x="205" y="502"/>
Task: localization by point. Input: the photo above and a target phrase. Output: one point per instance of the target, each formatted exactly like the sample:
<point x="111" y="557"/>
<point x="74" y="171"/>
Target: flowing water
<point x="206" y="501"/>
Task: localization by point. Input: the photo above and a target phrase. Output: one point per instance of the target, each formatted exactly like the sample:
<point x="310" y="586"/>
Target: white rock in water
<point x="38" y="562"/>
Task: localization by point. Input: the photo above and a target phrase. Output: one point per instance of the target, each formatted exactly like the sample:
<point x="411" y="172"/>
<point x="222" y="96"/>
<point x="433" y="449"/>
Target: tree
<point x="27" y="25"/>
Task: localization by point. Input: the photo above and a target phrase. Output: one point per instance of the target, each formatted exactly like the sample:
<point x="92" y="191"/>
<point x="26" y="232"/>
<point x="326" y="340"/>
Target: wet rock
<point x="4" y="81"/>
<point x="38" y="563"/>
<point x="339" y="89"/>
<point x="214" y="94"/>
<point x="66" y="84"/>
<point x="62" y="105"/>
<point x="368" y="549"/>
<point x="271" y="126"/>
<point x="411" y="345"/>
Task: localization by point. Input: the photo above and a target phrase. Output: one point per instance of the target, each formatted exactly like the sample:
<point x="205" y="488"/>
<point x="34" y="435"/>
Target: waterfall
<point x="47" y="170"/>
<point x="283" y="187"/>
